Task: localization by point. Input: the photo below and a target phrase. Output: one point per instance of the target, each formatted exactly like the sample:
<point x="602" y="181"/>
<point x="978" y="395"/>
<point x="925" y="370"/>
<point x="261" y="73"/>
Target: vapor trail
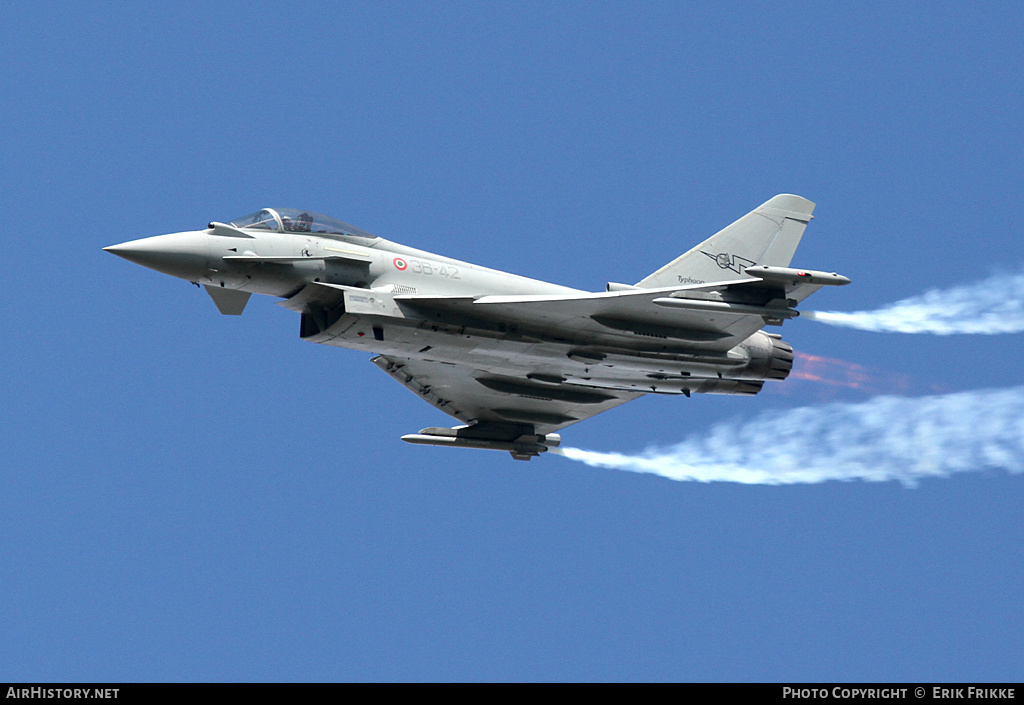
<point x="995" y="305"/>
<point x="886" y="438"/>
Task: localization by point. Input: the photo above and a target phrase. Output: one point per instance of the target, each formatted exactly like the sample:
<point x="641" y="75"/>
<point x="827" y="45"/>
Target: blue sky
<point x="186" y="496"/>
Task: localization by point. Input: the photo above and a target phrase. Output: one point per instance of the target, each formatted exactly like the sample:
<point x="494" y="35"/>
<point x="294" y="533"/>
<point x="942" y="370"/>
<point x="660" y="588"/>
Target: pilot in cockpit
<point x="302" y="224"/>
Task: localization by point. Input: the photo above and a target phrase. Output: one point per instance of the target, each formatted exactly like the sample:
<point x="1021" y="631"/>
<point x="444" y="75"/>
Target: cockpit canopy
<point x="293" y="220"/>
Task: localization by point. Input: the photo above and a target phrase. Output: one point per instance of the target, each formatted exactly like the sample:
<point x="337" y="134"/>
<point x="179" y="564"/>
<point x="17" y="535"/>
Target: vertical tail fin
<point x="769" y="234"/>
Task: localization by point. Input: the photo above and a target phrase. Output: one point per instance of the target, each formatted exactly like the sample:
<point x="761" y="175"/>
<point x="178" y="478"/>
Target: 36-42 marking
<point x="419" y="266"/>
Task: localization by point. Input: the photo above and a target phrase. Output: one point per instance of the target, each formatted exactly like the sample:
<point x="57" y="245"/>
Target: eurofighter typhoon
<point x="515" y="360"/>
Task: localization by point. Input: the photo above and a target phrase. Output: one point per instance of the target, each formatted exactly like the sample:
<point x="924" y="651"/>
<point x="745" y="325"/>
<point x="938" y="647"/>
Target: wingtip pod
<point x="789" y="275"/>
<point x="521" y="448"/>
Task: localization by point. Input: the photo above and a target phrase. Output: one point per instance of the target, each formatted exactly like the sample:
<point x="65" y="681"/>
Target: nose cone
<point x="184" y="255"/>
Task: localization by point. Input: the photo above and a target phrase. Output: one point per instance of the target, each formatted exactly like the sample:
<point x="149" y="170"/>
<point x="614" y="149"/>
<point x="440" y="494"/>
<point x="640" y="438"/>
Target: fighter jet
<point x="515" y="360"/>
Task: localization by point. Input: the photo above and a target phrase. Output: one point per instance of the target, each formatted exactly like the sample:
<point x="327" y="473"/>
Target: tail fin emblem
<point x="729" y="261"/>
